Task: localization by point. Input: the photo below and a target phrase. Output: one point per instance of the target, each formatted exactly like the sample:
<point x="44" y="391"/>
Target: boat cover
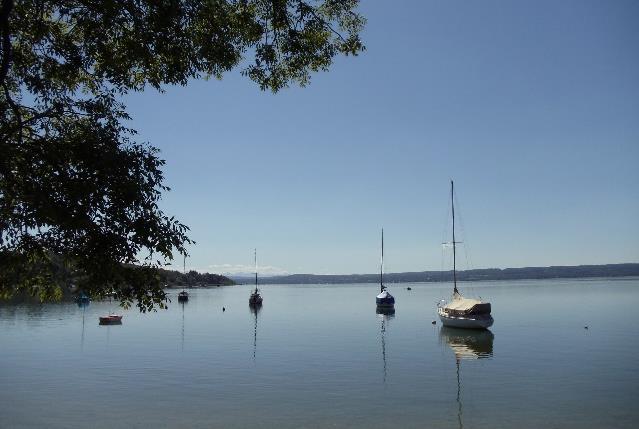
<point x="460" y="306"/>
<point x="384" y="295"/>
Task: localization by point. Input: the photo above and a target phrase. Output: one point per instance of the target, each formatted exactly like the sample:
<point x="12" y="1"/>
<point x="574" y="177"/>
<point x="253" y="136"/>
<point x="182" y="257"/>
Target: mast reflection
<point x="255" y="309"/>
<point x="83" y="304"/>
<point x="466" y="344"/>
<point x="182" y="303"/>
<point x="385" y="314"/>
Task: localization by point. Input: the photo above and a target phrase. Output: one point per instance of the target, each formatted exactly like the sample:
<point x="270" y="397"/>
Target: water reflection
<point x="83" y="304"/>
<point x="182" y="303"/>
<point x="255" y="309"/>
<point x="466" y="344"/>
<point x="385" y="314"/>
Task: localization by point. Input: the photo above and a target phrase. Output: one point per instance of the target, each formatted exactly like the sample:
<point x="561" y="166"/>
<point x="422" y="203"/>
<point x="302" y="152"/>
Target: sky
<point x="531" y="107"/>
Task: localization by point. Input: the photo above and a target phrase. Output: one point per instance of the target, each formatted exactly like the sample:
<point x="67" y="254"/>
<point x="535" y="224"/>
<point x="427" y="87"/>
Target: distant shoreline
<point x="198" y="286"/>
<point x="484" y="274"/>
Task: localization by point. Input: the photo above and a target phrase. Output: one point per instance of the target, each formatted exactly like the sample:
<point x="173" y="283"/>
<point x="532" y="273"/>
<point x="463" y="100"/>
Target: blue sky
<point x="531" y="107"/>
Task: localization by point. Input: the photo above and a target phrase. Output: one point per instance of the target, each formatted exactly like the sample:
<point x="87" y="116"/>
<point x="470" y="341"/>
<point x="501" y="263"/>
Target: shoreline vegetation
<point x="484" y="274"/>
<point x="169" y="279"/>
<point x="174" y="279"/>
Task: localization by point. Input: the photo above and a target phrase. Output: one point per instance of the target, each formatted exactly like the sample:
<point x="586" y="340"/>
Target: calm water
<point x="319" y="356"/>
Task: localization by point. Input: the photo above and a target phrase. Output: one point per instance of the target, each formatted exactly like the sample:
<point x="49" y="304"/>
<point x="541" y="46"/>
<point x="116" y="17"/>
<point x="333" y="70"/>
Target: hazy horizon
<point x="268" y="274"/>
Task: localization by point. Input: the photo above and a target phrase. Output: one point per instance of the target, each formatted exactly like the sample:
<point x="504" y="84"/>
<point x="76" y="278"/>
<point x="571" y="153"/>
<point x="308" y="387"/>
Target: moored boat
<point x="255" y="300"/>
<point x="384" y="299"/>
<point x="111" y="319"/>
<point x="82" y="299"/>
<point x="463" y="312"/>
<point x="184" y="295"/>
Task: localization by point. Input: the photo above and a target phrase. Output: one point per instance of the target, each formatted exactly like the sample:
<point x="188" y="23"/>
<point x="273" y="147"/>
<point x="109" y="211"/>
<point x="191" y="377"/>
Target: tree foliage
<point x="78" y="195"/>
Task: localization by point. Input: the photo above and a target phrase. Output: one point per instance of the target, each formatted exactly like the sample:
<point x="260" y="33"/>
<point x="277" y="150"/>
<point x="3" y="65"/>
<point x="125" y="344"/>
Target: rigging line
<point x="465" y="241"/>
<point x="466" y="246"/>
<point x="381" y="266"/>
<point x="452" y="208"/>
<point x="255" y="256"/>
<point x="445" y="234"/>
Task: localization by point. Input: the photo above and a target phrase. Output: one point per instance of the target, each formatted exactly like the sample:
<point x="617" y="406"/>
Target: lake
<point x="318" y="356"/>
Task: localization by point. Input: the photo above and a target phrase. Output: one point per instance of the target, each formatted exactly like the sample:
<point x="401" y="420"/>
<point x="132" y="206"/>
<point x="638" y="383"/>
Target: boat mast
<point x="452" y="204"/>
<point x="381" y="267"/>
<point x="255" y="256"/>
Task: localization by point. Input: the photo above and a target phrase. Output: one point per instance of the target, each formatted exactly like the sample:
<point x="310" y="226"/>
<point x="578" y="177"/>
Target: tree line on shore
<point x="192" y="279"/>
<point x="486" y="274"/>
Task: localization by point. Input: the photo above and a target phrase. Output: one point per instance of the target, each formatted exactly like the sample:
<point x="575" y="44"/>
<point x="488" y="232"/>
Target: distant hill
<point x="578" y="271"/>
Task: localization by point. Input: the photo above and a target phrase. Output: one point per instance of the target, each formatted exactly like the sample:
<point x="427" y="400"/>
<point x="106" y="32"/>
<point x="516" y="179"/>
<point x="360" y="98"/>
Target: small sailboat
<point x="184" y="295"/>
<point x="255" y="300"/>
<point x="82" y="299"/>
<point x="384" y="300"/>
<point x="463" y="312"/>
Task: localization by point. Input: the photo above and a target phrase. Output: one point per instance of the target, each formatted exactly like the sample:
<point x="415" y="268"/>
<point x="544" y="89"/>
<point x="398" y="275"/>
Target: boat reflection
<point x="182" y="303"/>
<point x="83" y="304"/>
<point x="385" y="314"/>
<point x="255" y="309"/>
<point x="466" y="344"/>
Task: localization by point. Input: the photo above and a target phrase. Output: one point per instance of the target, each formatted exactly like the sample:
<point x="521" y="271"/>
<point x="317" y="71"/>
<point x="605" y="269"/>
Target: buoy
<point x="223" y="309"/>
<point x="409" y="288"/>
<point x="434" y="322"/>
<point x="585" y="327"/>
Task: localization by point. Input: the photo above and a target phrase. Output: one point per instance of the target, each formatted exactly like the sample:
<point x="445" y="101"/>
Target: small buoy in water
<point x="585" y="327"/>
<point x="434" y="322"/>
<point x="409" y="288"/>
<point x="223" y="309"/>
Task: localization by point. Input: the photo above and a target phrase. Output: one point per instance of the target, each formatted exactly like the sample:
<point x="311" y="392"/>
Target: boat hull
<point x="255" y="301"/>
<point x="466" y="322"/>
<point x="385" y="303"/>
<point x="111" y="320"/>
<point x="385" y="300"/>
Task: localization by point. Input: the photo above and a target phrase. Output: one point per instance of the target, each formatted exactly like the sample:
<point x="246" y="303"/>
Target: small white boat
<point x="463" y="312"/>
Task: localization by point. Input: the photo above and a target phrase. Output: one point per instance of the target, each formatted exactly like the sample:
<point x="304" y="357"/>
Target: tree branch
<point x="5" y="11"/>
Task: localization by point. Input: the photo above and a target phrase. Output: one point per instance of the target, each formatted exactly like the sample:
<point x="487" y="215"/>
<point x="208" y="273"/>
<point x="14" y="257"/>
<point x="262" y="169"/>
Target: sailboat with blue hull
<point x="384" y="300"/>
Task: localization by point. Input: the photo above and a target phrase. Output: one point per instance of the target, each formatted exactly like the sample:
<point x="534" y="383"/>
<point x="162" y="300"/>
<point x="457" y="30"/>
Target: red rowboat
<point x="111" y="319"/>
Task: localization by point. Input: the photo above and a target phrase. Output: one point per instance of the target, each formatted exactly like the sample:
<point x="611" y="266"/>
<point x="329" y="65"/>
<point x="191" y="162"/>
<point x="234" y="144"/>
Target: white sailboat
<point x="184" y="295"/>
<point x="463" y="312"/>
<point x="255" y="300"/>
<point x="384" y="300"/>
